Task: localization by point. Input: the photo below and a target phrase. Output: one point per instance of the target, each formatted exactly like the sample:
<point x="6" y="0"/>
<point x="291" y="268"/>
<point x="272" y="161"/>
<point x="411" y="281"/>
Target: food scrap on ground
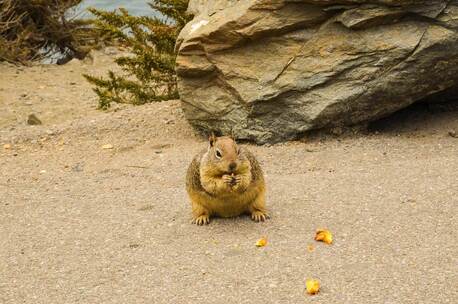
<point x="323" y="235"/>
<point x="107" y="146"/>
<point x="261" y="242"/>
<point x="312" y="286"/>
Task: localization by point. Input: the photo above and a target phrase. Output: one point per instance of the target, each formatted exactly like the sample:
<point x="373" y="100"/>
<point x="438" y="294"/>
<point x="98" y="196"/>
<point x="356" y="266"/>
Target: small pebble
<point x="337" y="131"/>
<point x="33" y="120"/>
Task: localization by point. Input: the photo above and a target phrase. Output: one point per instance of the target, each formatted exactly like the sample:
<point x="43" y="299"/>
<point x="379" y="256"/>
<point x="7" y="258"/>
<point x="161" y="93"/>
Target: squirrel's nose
<point x="232" y="166"/>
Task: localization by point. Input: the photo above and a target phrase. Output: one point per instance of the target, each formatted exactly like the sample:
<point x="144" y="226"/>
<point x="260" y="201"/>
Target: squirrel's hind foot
<point x="259" y="216"/>
<point x="201" y="220"/>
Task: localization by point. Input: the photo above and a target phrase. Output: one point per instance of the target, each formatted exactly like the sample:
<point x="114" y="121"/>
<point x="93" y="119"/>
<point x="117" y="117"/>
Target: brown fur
<point x="216" y="190"/>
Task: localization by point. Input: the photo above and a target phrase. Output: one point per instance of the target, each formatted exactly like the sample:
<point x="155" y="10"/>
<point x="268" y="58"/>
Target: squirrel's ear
<point x="212" y="139"/>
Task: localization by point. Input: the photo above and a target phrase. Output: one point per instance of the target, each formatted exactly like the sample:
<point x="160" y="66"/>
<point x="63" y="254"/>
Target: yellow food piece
<point x="323" y="235"/>
<point x="107" y="146"/>
<point x="312" y="286"/>
<point x="261" y="242"/>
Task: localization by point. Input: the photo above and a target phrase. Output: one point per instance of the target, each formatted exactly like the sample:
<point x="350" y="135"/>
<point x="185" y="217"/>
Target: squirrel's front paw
<point x="201" y="220"/>
<point x="236" y="179"/>
<point x="227" y="179"/>
<point x="259" y="216"/>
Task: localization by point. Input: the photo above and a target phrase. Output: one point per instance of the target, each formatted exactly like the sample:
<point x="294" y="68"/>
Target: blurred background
<point x="136" y="7"/>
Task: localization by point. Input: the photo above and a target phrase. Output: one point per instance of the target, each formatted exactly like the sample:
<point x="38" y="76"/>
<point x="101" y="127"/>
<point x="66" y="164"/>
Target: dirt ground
<point x="84" y="224"/>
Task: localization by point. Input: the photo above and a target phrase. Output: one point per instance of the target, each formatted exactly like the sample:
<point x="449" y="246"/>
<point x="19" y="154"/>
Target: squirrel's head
<point x="226" y="156"/>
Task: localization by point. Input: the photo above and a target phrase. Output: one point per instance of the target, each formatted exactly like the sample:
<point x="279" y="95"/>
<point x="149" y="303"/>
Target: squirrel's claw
<point x="201" y="220"/>
<point x="227" y="179"/>
<point x="259" y="216"/>
<point x="232" y="180"/>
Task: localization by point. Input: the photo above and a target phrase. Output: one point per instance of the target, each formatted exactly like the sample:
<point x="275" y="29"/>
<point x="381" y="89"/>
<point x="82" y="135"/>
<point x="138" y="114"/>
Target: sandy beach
<point x="93" y="207"/>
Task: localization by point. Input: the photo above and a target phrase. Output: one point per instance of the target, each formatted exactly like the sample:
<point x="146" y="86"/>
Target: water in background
<point x="135" y="7"/>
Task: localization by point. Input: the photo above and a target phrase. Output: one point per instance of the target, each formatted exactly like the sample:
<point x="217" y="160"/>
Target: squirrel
<point x="225" y="180"/>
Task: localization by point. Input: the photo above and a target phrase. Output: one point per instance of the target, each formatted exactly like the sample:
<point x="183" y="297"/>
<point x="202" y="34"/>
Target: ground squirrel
<point x="225" y="180"/>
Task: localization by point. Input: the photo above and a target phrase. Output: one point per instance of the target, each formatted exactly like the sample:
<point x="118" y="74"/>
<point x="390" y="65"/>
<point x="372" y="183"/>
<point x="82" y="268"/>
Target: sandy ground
<point x="83" y="224"/>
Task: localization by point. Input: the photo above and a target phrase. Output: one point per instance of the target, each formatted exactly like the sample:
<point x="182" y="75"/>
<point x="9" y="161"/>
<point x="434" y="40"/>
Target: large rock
<point x="271" y="70"/>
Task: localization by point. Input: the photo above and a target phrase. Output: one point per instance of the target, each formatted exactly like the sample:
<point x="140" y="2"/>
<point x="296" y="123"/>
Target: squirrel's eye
<point x="218" y="154"/>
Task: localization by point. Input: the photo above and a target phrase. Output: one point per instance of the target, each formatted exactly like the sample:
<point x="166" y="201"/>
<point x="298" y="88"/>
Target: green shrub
<point x="148" y="72"/>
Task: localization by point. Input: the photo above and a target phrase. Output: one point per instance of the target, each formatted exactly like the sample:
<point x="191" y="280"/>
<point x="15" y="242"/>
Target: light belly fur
<point x="231" y="205"/>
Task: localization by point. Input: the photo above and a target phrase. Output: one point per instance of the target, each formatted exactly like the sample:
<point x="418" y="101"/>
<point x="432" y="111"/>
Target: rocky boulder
<point x="269" y="71"/>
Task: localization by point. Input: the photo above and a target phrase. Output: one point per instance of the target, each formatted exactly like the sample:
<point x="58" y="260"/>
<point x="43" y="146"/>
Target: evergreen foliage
<point x="149" y="71"/>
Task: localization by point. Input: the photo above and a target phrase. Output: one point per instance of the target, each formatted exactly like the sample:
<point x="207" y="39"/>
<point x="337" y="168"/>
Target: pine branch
<point x="149" y="74"/>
